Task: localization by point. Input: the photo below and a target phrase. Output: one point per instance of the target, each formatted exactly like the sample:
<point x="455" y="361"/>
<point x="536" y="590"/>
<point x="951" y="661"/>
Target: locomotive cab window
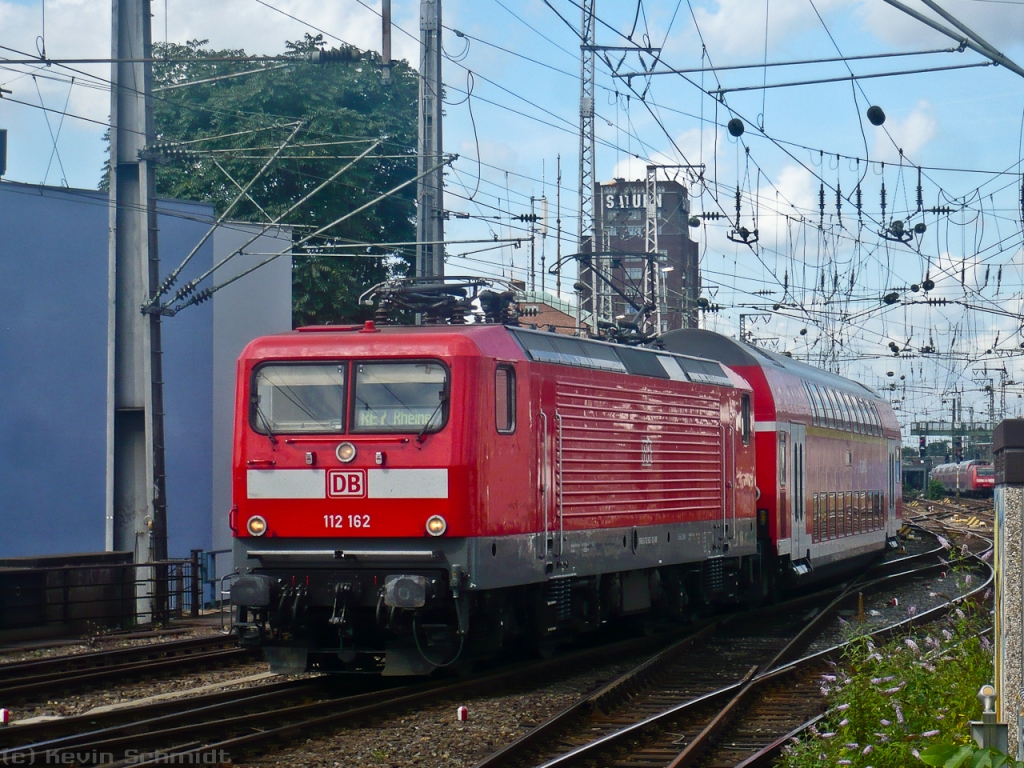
<point x="298" y="398"/>
<point x="505" y="399"/>
<point x="400" y="397"/>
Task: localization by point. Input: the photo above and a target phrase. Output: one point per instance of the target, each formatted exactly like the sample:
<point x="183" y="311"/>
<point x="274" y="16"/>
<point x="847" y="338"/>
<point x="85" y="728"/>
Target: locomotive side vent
<point x="712" y="576"/>
<point x="558" y="596"/>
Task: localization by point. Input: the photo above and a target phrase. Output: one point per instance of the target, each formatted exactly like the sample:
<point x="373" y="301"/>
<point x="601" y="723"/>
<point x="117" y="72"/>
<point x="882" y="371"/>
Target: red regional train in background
<point x="406" y="497"/>
<point x="971" y="478"/>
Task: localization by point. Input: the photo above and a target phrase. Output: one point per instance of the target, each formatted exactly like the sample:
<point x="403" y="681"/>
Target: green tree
<point x="239" y="122"/>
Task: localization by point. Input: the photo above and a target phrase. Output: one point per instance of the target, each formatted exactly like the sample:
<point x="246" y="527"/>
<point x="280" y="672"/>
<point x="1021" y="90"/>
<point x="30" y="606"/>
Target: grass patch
<point x="889" y="702"/>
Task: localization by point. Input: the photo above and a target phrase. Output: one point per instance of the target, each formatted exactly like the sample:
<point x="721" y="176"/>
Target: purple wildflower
<point x="985" y="643"/>
<point x="843" y="723"/>
<point x="842" y="707"/>
<point x="899" y="713"/>
<point x="828" y="735"/>
<point x="867" y="750"/>
<point x="947" y="634"/>
<point x="943" y="542"/>
<point x="853" y="745"/>
<point x="877" y="680"/>
<point x="844" y="762"/>
<point x="915" y="753"/>
<point x="909" y="642"/>
<point x="912" y="610"/>
<point x="929" y="734"/>
<point x="885" y="722"/>
<point x="829" y="678"/>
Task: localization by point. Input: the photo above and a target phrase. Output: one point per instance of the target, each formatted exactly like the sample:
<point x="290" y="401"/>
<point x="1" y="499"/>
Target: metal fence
<point x="105" y="592"/>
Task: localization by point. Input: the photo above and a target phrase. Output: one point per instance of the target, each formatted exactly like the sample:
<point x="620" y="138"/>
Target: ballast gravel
<point x="433" y="736"/>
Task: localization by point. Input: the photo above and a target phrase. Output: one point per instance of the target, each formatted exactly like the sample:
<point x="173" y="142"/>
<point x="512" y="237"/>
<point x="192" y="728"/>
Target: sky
<point x="813" y="284"/>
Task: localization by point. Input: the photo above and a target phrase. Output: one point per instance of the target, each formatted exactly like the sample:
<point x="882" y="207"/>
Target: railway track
<point x="238" y="722"/>
<point x="656" y="716"/>
<point x="31" y="680"/>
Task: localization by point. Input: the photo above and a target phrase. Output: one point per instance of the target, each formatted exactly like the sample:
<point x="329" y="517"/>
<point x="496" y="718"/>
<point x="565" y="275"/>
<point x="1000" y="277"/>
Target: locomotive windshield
<point x="400" y="397"/>
<point x="299" y="398"/>
<point x="986" y="472"/>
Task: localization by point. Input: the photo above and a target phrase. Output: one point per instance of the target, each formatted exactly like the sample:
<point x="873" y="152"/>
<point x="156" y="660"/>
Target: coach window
<point x="835" y="420"/>
<point x="505" y="399"/>
<point x="745" y="416"/>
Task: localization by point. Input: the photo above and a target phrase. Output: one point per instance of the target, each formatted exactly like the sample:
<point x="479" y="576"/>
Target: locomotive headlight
<point x="256" y="526"/>
<point x="345" y="452"/>
<point x="436" y="525"/>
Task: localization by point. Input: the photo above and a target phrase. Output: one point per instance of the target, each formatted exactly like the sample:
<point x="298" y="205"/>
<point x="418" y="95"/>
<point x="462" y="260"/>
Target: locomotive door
<point x="895" y="485"/>
<point x="798" y="505"/>
<point x="549" y="481"/>
<point x="728" y="524"/>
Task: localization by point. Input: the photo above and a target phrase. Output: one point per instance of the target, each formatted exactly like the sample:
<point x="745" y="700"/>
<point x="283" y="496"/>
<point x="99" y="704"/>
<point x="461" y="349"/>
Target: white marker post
<point x="1008" y="453"/>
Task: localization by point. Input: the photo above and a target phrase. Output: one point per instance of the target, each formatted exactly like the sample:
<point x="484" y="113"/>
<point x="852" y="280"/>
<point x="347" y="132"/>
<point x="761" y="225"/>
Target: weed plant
<point x="889" y="702"/>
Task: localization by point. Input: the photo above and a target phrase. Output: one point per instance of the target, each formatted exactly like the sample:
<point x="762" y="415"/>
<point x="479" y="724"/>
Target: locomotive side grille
<point x="624" y="452"/>
<point x="558" y="596"/>
<point x="713" y="580"/>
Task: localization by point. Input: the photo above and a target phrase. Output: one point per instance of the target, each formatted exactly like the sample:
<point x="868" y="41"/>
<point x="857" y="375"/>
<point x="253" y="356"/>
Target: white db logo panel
<point x="346" y="483"/>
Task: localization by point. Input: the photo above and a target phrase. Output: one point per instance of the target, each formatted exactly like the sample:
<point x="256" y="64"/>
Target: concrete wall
<point x="53" y="358"/>
<point x="258" y="304"/>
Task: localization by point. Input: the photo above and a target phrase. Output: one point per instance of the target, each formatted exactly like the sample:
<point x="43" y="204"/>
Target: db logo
<point x="346" y="482"/>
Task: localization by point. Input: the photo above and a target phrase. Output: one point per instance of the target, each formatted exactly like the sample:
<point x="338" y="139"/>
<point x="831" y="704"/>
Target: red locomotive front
<point x="409" y="497"/>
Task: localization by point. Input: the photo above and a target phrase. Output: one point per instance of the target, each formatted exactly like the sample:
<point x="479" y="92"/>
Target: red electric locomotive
<point x="406" y="497"/>
<point x="970" y="478"/>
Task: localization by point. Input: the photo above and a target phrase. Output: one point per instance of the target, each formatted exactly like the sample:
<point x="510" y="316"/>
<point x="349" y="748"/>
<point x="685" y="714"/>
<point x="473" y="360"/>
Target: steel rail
<point x="92" y="659"/>
<point x="736" y="692"/>
<point x="699" y="745"/>
<point x="32" y="687"/>
<point x="186" y="728"/>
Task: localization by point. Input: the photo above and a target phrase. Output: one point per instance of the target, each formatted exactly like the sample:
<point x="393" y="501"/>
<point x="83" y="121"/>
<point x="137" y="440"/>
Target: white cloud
<point x="999" y="24"/>
<point x="733" y="24"/>
<point x="911" y="134"/>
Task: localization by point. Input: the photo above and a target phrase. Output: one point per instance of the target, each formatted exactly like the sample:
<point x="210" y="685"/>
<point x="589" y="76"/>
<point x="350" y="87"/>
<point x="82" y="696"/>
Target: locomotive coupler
<point x="285" y="594"/>
<point x="300" y="592"/>
<point x="341" y="594"/>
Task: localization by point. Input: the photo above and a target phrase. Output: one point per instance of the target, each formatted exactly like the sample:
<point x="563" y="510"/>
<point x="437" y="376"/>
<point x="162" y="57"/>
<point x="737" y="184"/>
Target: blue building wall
<point x="53" y="359"/>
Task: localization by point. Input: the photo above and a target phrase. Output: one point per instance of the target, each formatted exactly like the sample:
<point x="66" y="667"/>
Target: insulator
<point x="336" y="55"/>
<point x="883" y="202"/>
<point x="839" y="203"/>
<point x="859" y="202"/>
<point x="185" y="291"/>
<point x="821" y="204"/>
<point x="738" y="201"/>
<point x="203" y="295"/>
<point x="920" y="191"/>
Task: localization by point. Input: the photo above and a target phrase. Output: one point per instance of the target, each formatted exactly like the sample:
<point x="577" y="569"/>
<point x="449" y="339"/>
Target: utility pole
<point x="533" y="246"/>
<point x="385" y="41"/>
<point x="558" y="224"/>
<point x="429" y="189"/>
<point x="136" y="499"/>
<point x="652" y="294"/>
<point x="586" y="201"/>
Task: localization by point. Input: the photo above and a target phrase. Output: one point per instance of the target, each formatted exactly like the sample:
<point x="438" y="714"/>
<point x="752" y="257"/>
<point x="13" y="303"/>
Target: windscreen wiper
<point x="420" y="437"/>
<point x="266" y="424"/>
